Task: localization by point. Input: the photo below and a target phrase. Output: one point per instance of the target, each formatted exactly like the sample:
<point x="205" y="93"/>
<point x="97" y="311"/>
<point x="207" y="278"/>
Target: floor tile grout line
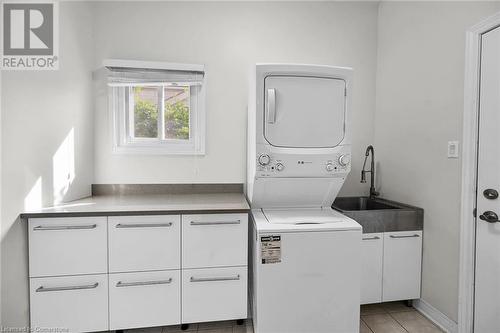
<point x="366" y="324"/>
<point x="397" y="321"/>
<point x="390" y="315"/>
<point x="430" y="322"/>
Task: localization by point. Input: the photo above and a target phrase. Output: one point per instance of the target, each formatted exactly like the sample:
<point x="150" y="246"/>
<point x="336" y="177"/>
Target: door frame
<point x="470" y="137"/>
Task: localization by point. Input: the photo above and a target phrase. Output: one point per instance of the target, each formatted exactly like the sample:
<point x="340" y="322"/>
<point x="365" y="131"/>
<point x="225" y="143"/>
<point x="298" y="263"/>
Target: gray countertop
<point x="146" y="204"/>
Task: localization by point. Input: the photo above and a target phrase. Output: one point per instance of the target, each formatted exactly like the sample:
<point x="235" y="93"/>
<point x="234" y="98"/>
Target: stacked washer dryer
<point x="305" y="257"/>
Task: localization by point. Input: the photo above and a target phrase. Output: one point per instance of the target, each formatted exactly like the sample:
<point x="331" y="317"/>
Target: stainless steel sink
<point x="363" y="203"/>
<point x="380" y="215"/>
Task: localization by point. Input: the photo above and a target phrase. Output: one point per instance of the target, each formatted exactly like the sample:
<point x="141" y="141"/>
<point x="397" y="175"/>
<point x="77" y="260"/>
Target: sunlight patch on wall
<point x="63" y="166"/>
<point x="33" y="200"/>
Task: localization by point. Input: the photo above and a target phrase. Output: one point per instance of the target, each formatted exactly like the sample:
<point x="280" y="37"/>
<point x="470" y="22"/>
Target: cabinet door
<point x="214" y="294"/>
<point x="72" y="303"/>
<point x="142" y="243"/>
<point x="144" y="299"/>
<point x="402" y="265"/>
<point x="214" y="240"/>
<point x="372" y="248"/>
<point x="67" y="246"/>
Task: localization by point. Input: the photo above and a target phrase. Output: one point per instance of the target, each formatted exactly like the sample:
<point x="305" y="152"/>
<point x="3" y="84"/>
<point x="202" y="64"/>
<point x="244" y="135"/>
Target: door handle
<point x="405" y="236"/>
<point x="371" y="238"/>
<point x="87" y="286"/>
<point x="489" y="216"/>
<point x="143" y="283"/>
<point x="271" y="105"/>
<point x="490" y="194"/>
<point x="143" y="225"/>
<point x="214" y="222"/>
<point x="210" y="279"/>
<point x="64" y="227"/>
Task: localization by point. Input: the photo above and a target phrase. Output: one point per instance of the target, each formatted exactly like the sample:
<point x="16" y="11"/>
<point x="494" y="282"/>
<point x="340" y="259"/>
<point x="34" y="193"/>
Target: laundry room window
<point x="158" y="110"/>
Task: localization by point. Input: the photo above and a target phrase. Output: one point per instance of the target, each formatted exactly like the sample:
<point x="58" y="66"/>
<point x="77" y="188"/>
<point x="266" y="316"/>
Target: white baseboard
<point x="436" y="316"/>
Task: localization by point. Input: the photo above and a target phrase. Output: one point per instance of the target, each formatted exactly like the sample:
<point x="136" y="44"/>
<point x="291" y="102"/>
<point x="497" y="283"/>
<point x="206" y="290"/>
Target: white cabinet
<point x="402" y="265"/>
<point x="144" y="280"/>
<point x="144" y="299"/>
<point x="214" y="240"/>
<point x="214" y="294"/>
<point x="67" y="246"/>
<point x="73" y="303"/>
<point x="141" y="243"/>
<point x="391" y="266"/>
<point x="372" y="251"/>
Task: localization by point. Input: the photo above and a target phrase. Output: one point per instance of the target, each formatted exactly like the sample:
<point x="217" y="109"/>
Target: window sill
<point x="158" y="150"/>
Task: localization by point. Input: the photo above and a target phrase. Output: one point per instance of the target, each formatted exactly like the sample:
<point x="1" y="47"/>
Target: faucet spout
<point x="373" y="192"/>
<point x="363" y="176"/>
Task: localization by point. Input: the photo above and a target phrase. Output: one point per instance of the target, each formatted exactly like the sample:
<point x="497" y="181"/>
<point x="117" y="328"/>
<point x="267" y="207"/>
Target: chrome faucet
<point x="373" y="192"/>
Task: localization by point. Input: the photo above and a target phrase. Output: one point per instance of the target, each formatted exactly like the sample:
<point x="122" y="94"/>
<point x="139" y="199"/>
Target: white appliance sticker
<point x="270" y="249"/>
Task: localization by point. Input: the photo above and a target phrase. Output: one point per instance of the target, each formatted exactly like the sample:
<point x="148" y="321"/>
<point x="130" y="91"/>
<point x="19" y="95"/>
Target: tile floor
<point x="228" y="326"/>
<point x="393" y="317"/>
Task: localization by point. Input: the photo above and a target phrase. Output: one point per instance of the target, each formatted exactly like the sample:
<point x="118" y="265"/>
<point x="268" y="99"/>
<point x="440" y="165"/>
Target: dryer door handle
<point x="271" y="105"/>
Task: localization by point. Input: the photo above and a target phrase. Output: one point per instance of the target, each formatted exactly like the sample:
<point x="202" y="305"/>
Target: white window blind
<point x="127" y="77"/>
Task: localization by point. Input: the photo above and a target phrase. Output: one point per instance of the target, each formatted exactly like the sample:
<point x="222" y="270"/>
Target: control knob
<point x="330" y="167"/>
<point x="264" y="159"/>
<point x="344" y="159"/>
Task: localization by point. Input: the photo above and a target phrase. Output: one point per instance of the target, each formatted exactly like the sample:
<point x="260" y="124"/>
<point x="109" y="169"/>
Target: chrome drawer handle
<point x="143" y="283"/>
<point x="87" y="286"/>
<point x="65" y="227"/>
<point x="214" y="222"/>
<point x="144" y="225"/>
<point x="371" y="238"/>
<point x="407" y="236"/>
<point x="210" y="279"/>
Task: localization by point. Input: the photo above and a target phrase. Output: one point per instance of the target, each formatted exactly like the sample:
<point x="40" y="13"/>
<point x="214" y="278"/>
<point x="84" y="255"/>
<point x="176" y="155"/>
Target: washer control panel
<point x="282" y="165"/>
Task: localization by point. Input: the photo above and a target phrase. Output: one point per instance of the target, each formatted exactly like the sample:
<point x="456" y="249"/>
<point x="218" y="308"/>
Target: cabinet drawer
<point x="144" y="299"/>
<point x="372" y="247"/>
<point x="212" y="240"/>
<point x="67" y="246"/>
<point x="213" y="294"/>
<point x="402" y="265"/>
<point x="141" y="243"/>
<point x="72" y="303"/>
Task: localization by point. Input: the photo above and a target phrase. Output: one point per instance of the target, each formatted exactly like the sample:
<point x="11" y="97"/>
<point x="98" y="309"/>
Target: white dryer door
<point x="304" y="112"/>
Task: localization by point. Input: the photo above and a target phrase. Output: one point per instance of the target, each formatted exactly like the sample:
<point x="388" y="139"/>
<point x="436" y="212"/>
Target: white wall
<point x="47" y="123"/>
<point x="417" y="65"/>
<point x="40" y="110"/>
<point x="229" y="38"/>
<point x="420" y="83"/>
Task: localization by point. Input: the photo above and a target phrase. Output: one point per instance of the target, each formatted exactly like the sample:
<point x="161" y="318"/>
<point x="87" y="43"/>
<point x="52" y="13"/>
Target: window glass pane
<point x="145" y="112"/>
<point x="177" y="105"/>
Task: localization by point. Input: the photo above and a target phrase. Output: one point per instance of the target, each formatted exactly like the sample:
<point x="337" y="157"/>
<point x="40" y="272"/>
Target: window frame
<point x="122" y="113"/>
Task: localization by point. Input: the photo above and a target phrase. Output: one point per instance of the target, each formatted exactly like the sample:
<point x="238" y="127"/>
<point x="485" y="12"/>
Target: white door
<point x="487" y="281"/>
<point x="304" y="112"/>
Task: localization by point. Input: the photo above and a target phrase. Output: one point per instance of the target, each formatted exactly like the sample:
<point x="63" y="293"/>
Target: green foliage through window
<point x="176" y="112"/>
<point x="177" y="120"/>
<point x="145" y="113"/>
